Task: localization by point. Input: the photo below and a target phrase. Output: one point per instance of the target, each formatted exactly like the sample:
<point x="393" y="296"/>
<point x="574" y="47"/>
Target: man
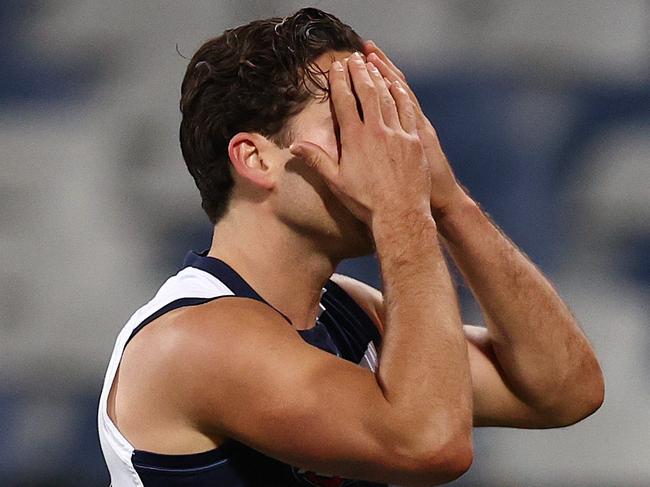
<point x="255" y="364"/>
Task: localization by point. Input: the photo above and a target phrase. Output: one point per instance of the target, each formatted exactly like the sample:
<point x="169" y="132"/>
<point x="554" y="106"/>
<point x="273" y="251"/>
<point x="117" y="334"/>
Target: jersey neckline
<point x="237" y="284"/>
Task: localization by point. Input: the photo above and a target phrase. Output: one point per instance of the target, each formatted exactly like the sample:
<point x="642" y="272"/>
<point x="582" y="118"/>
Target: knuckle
<point x="415" y="143"/>
<point x="397" y="90"/>
<point x="410" y="140"/>
<point x="414" y="139"/>
<point x="368" y="86"/>
<point x="392" y="135"/>
<point x="405" y="96"/>
<point x="379" y="130"/>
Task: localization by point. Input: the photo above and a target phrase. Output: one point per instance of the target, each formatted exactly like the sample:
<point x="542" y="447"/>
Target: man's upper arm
<point x="253" y="378"/>
<point x="494" y="403"/>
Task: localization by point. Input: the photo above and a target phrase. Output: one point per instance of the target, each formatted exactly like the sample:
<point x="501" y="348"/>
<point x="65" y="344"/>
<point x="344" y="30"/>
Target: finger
<point x="371" y="47"/>
<point x="384" y="68"/>
<point x="316" y="158"/>
<point x="343" y="100"/>
<point x="392" y="74"/>
<point x="386" y="71"/>
<point x="386" y="101"/>
<point x="365" y="90"/>
<point x="405" y="107"/>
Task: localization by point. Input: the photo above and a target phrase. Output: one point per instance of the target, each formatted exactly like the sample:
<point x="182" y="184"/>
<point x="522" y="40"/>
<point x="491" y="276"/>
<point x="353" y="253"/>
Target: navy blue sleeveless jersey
<point x="342" y="328"/>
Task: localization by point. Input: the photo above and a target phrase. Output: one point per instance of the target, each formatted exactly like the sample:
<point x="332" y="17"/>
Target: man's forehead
<point x="327" y="58"/>
<point x="319" y="110"/>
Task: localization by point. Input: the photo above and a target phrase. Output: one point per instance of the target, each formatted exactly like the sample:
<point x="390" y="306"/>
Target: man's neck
<point x="282" y="266"/>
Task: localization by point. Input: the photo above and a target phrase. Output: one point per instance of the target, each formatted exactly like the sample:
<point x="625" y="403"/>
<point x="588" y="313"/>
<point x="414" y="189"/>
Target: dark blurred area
<point x="542" y="107"/>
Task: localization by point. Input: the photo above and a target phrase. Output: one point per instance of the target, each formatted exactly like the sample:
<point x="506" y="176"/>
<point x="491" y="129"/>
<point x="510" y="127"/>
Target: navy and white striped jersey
<point x="342" y="328"/>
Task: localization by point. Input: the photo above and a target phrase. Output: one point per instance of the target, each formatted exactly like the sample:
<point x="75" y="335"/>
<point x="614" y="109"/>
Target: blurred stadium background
<point x="543" y="108"/>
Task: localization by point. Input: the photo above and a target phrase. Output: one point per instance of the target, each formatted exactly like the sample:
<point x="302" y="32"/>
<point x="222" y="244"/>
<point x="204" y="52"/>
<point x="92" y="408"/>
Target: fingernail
<point x="356" y="55"/>
<point x="372" y="68"/>
<point x="337" y="66"/>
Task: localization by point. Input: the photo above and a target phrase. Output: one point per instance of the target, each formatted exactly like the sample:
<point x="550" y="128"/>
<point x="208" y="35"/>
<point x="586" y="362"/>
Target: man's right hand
<point x="382" y="171"/>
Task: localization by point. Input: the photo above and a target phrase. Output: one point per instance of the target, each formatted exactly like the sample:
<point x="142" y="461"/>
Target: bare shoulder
<point x="229" y="312"/>
<point x="172" y="369"/>
<point x="191" y="343"/>
<point x="225" y="328"/>
<point x="211" y="326"/>
<point x="203" y="354"/>
<point x="369" y="298"/>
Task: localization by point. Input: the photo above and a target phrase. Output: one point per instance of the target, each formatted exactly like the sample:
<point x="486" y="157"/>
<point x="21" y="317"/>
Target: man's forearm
<point x="537" y="342"/>
<point x="423" y="369"/>
<point x="544" y="355"/>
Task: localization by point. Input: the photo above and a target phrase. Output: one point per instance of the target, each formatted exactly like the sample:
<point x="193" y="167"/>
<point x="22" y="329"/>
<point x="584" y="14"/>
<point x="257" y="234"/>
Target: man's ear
<point x="245" y="152"/>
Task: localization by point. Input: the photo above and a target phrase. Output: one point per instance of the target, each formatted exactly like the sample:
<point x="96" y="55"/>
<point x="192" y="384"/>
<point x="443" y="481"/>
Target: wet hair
<point x="253" y="78"/>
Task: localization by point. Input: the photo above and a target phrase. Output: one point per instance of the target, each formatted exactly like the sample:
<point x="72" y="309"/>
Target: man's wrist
<point x="399" y="225"/>
<point x="454" y="213"/>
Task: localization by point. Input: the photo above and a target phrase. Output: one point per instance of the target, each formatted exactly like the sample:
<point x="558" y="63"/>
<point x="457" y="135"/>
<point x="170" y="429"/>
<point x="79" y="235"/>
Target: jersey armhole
<point x="337" y="292"/>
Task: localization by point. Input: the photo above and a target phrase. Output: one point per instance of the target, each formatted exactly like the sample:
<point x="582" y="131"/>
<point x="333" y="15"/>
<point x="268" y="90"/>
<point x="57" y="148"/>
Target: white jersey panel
<point x="188" y="283"/>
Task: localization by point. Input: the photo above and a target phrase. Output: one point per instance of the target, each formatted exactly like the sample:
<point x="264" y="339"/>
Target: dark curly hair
<point x="253" y="78"/>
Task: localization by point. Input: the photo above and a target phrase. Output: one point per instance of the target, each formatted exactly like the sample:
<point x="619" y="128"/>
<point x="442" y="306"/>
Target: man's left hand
<point x="446" y="193"/>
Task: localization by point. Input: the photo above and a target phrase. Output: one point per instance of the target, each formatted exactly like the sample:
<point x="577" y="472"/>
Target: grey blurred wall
<point x="543" y="108"/>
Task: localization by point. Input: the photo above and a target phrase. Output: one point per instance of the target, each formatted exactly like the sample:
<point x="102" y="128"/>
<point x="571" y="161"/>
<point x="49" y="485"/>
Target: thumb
<point x="316" y="158"/>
